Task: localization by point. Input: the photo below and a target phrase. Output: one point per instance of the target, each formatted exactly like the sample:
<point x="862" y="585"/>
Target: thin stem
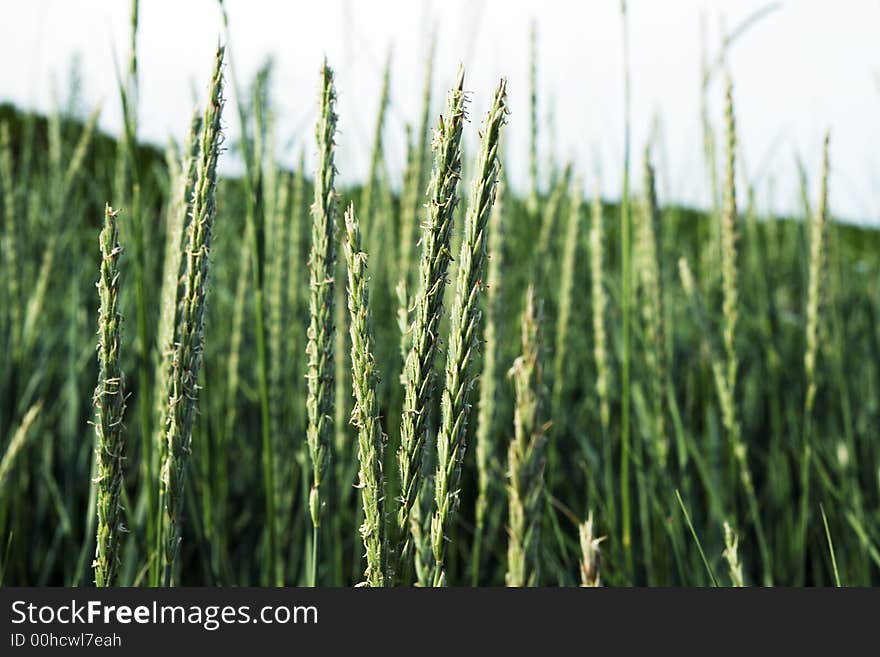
<point x="626" y="279"/>
<point x="687" y="518"/>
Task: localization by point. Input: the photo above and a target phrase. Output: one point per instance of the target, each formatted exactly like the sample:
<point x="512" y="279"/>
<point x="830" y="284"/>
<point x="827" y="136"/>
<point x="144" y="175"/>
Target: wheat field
<point x="438" y="380"/>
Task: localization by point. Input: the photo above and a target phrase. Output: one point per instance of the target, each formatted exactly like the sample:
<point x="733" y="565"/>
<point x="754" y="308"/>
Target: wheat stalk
<point x="364" y="416"/>
<point x="728" y="243"/>
<point x="109" y="403"/>
<point x="418" y="375"/>
<point x="548" y="220"/>
<point x="814" y="299"/>
<point x="464" y="334"/>
<point x="599" y="302"/>
<point x="816" y="274"/>
<point x="533" y="120"/>
<point x="626" y="301"/>
<point x="651" y="281"/>
<point x="420" y="523"/>
<point x="17" y="442"/>
<point x="322" y="269"/>
<point x="590" y="557"/>
<point x="730" y="301"/>
<point x="37" y="300"/>
<point x="731" y="540"/>
<point x="187" y="358"/>
<point x="525" y="456"/>
<point x="10" y="239"/>
<point x="566" y="285"/>
<point x="77" y="157"/>
<point x="174" y="269"/>
<point x="487" y="408"/>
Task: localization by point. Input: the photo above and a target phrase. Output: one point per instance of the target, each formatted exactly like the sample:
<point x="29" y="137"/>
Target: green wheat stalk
<point x="818" y="238"/>
<point x="365" y="415"/>
<point x="729" y="243"/>
<point x="420" y="523"/>
<point x="174" y="269"/>
<point x="464" y="335"/>
<point x="548" y="219"/>
<point x="489" y="398"/>
<point x="599" y="302"/>
<point x="17" y="443"/>
<point x="525" y="489"/>
<point x="320" y="345"/>
<point x="816" y="274"/>
<point x="626" y="301"/>
<point x="566" y="287"/>
<point x="730" y="300"/>
<point x="10" y="239"/>
<point x="129" y="181"/>
<point x="33" y="312"/>
<point x="711" y="255"/>
<point x="109" y="403"/>
<point x="533" y="120"/>
<point x="259" y="174"/>
<point x="651" y="281"/>
<point x="731" y="556"/>
<point x="75" y="161"/>
<point x="418" y="369"/>
<point x="187" y="357"/>
<point x="343" y="446"/>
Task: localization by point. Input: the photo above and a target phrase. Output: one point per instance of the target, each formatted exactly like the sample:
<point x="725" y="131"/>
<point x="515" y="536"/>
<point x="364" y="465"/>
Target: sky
<point x="805" y="67"/>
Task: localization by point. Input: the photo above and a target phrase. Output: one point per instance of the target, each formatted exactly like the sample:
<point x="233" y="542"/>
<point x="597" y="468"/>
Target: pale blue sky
<point x="808" y="66"/>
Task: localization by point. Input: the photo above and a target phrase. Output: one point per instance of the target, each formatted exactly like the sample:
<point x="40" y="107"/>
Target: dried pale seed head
<point x="816" y="274"/>
<point x="590" y="556"/>
<point x="729" y="243"/>
<point x="599" y="302"/>
<point x="687" y="278"/>
<point x="731" y="542"/>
